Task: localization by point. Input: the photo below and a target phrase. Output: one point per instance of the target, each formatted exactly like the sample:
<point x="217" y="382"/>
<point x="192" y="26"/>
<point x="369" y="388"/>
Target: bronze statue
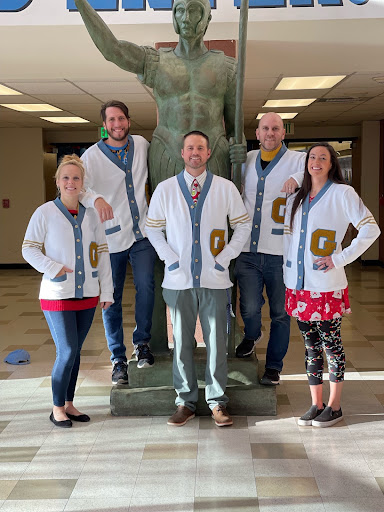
<point x="194" y="88"/>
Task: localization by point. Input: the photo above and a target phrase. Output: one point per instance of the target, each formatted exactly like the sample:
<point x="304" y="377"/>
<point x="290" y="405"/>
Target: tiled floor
<point x="265" y="464"/>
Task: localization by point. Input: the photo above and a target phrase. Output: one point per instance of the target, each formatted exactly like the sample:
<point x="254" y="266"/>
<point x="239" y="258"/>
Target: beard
<point x="119" y="138"/>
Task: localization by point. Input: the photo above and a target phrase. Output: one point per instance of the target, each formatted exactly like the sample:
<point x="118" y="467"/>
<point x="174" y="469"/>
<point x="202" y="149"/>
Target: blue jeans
<point x="69" y="330"/>
<point x="253" y="271"/>
<point x="142" y="256"/>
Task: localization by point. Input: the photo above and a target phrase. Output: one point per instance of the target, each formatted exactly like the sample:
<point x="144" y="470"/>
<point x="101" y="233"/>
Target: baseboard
<point x="15" y="266"/>
<point x="372" y="263"/>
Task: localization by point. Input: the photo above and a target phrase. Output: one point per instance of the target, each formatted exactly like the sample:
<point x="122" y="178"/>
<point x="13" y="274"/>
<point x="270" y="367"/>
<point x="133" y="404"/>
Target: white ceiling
<point x="61" y="66"/>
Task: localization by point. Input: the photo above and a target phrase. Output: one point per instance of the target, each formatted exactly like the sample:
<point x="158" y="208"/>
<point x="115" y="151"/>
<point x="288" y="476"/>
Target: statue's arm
<point x="126" y="55"/>
<point x="237" y="152"/>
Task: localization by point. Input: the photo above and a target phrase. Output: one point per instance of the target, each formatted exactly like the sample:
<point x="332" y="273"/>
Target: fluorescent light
<point x="308" y="82"/>
<point x="283" y="115"/>
<point x="6" y="91"/>
<point x="31" y="107"/>
<point x="288" y="103"/>
<point x="62" y="120"/>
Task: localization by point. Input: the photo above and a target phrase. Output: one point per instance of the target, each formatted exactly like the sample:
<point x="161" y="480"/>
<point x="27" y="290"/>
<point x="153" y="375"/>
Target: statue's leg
<point x="161" y="167"/>
<point x="219" y="161"/>
<point x="219" y="164"/>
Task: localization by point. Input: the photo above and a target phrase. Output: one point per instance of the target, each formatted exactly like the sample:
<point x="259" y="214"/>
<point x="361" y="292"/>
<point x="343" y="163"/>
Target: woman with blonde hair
<point x="66" y="243"/>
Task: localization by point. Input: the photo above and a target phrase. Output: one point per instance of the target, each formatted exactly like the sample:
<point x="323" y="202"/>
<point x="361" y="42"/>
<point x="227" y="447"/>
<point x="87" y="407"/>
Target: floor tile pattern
<point x="261" y="464"/>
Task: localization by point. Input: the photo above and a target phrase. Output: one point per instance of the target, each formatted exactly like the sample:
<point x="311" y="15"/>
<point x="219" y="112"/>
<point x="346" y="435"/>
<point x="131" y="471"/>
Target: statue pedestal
<point x="150" y="391"/>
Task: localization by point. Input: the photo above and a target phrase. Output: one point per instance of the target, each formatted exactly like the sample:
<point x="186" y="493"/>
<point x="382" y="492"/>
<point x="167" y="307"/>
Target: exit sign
<point x="103" y="134"/>
<point x="289" y="128"/>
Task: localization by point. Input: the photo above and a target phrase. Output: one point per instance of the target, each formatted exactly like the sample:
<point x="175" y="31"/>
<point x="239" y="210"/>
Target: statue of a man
<point x="194" y="88"/>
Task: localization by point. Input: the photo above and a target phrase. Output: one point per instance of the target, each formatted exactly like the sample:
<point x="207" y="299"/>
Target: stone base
<point x="150" y="391"/>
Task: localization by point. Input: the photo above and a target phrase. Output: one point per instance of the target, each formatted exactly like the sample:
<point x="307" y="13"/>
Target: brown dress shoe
<point x="181" y="416"/>
<point x="221" y="416"/>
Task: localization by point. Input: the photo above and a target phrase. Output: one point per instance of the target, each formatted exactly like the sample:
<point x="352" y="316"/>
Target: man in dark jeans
<point x="261" y="262"/>
<point x="116" y="167"/>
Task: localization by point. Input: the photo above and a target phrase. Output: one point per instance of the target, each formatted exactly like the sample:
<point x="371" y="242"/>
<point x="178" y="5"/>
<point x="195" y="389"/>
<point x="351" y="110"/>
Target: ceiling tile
<point x="34" y="88"/>
<point x="127" y="98"/>
<point x="112" y="87"/>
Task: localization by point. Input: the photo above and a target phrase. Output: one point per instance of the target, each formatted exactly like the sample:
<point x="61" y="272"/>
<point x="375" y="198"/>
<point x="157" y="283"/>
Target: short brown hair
<point x="114" y="103"/>
<point x="199" y="133"/>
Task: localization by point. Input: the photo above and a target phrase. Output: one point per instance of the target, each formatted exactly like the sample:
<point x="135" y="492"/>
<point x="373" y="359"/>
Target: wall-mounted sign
<point x="289" y="128"/>
<point x="103" y="134"/>
<point x="63" y="12"/>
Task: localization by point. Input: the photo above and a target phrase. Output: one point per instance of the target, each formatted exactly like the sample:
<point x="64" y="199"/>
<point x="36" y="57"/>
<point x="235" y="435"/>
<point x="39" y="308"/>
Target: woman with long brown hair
<point x="317" y="219"/>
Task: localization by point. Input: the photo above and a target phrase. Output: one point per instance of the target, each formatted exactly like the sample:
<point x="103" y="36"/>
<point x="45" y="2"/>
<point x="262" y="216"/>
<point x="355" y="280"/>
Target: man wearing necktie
<point x="192" y="209"/>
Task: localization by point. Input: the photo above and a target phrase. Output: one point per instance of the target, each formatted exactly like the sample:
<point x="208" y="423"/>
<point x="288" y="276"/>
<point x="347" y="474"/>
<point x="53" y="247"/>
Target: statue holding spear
<point x="194" y="88"/>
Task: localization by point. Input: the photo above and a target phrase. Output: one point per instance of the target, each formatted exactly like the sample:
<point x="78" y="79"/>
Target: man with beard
<point x="116" y="167"/>
<point x="268" y="175"/>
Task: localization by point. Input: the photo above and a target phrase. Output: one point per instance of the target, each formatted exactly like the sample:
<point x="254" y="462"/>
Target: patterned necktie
<point x="195" y="190"/>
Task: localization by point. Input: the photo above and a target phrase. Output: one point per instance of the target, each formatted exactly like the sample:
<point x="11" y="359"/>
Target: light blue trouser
<point x="210" y="305"/>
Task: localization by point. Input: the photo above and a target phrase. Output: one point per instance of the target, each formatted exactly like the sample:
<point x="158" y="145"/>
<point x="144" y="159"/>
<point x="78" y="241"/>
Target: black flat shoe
<point x="62" y="424"/>
<point x="82" y="417"/>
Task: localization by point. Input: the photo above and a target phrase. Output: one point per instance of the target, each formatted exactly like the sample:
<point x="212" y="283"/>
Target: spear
<point x="239" y="116"/>
<point x="239" y="129"/>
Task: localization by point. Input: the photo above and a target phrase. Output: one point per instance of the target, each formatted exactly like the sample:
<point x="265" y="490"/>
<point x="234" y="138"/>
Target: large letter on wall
<point x="98" y="5"/>
<point x="140" y="5"/>
<point x="263" y="3"/>
<point x="14" y="5"/>
<point x="156" y="5"/>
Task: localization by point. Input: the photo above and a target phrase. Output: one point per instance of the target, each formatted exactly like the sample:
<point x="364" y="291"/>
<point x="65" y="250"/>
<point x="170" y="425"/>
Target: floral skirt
<point x="314" y="306"/>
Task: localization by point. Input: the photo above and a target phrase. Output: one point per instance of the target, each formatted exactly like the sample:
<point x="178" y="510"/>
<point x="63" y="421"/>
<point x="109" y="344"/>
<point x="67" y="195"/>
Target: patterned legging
<point x="321" y="335"/>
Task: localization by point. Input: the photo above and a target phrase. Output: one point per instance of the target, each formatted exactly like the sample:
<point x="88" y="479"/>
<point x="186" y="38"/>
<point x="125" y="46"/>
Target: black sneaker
<point x="144" y="355"/>
<point x="328" y="418"/>
<point x="309" y="416"/>
<point x="270" y="378"/>
<point x="119" y="373"/>
<point x="246" y="347"/>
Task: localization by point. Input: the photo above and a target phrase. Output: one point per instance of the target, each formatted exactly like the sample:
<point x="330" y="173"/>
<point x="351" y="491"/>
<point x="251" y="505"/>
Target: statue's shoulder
<point x="166" y="50"/>
<point x="231" y="64"/>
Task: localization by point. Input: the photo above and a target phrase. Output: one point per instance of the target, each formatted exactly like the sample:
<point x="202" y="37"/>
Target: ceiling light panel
<point x="283" y="115"/>
<point x="62" y="120"/>
<point x="289" y="103"/>
<point x="6" y="91"/>
<point x="31" y="107"/>
<point x="308" y="82"/>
